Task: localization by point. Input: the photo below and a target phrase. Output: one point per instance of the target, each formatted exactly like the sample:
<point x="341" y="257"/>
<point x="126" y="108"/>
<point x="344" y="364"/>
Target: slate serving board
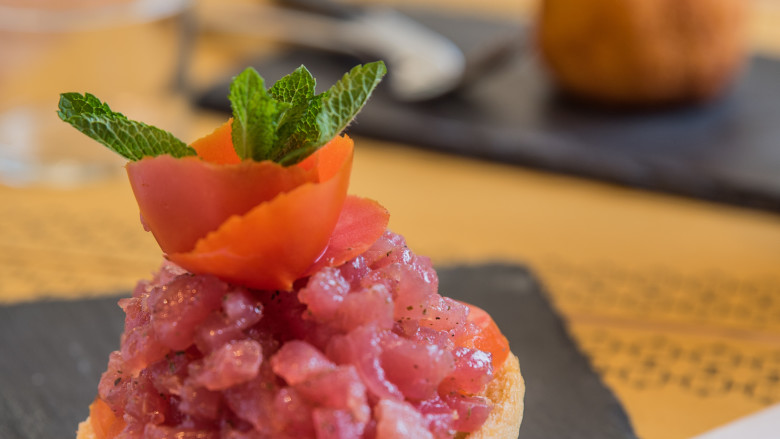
<point x="52" y="355"/>
<point x="726" y="151"/>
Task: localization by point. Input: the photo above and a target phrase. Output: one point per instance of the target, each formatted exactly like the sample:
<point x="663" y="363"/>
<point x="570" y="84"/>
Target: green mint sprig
<point x="288" y="122"/>
<point x="133" y="140"/>
<point x="285" y="123"/>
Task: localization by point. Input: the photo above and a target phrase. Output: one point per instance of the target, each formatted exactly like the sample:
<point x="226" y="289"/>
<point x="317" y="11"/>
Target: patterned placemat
<point x="659" y="335"/>
<point x="686" y="351"/>
<point x="54" y="353"/>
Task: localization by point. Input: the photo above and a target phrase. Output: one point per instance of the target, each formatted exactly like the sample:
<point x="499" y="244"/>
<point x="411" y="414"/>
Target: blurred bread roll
<point x="643" y="52"/>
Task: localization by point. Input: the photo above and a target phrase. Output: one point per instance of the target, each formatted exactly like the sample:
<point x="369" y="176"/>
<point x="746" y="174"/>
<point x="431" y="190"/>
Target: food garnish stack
<point x="284" y="307"/>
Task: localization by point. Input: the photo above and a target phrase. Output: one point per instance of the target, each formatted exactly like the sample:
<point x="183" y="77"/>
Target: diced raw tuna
<point x="140" y="348"/>
<point x="298" y="361"/>
<point x="355" y="270"/>
<point x="439" y="417"/>
<point x="416" y="369"/>
<point x="168" y="374"/>
<point x="253" y="402"/>
<point x="241" y="308"/>
<point x="144" y="402"/>
<point x="340" y="388"/>
<point x="445" y="314"/>
<point x="473" y="371"/>
<point x="472" y="411"/>
<point x="182" y="305"/>
<point x="199" y="402"/>
<point x="428" y="336"/>
<point x="367" y="350"/>
<point x="337" y="424"/>
<point x="365" y="306"/>
<point x="398" y="419"/>
<point x="324" y="293"/>
<point x="135" y="314"/>
<point x="162" y="432"/>
<point x="215" y="331"/>
<point x="362" y="349"/>
<point x="292" y="414"/>
<point x="113" y="384"/>
<point x="233" y="363"/>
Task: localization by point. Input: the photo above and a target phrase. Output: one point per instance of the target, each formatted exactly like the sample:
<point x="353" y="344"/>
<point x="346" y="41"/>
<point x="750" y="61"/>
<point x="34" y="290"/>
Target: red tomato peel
<point x="217" y="147"/>
<point x="361" y="223"/>
<point x="275" y="243"/>
<point x="489" y="339"/>
<point x="182" y="200"/>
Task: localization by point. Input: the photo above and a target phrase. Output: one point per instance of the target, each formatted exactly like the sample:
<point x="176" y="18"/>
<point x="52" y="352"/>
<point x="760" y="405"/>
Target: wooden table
<point x="676" y="301"/>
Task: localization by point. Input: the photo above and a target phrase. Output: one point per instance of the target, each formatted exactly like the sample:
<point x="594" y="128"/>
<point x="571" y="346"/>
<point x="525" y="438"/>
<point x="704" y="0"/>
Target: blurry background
<point x="675" y="299"/>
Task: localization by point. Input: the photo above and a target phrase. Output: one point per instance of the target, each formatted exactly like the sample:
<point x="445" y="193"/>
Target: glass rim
<point x="85" y="18"/>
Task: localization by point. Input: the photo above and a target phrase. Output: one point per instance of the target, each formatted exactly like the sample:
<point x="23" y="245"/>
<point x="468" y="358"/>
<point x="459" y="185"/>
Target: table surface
<point x="675" y="301"/>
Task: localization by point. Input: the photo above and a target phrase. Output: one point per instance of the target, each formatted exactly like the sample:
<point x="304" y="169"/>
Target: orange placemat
<point x="71" y="243"/>
<point x="684" y="351"/>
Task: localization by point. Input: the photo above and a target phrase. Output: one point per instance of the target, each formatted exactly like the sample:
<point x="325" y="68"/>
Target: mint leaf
<point x="295" y="130"/>
<point x="256" y="115"/>
<point x="345" y="99"/>
<point x="133" y="140"/>
<point x="288" y="122"/>
<point x="285" y="123"/>
<point x="295" y="88"/>
<point x="297" y="126"/>
<point x="73" y="104"/>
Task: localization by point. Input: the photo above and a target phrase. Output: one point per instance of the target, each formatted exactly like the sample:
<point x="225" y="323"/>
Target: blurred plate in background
<point x="726" y="151"/>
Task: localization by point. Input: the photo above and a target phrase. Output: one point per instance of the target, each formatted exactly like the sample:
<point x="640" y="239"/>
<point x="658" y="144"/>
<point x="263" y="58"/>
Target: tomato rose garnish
<point x="183" y="199"/>
<point x="217" y="147"/>
<point x="256" y="223"/>
<point x="260" y="201"/>
<point x="361" y="223"/>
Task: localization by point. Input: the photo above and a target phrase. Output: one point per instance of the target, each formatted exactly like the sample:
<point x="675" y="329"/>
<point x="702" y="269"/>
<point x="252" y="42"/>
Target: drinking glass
<point x="123" y="51"/>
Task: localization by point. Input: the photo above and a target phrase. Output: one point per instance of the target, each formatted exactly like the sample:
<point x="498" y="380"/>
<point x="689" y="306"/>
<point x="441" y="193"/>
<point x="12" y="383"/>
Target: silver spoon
<point x="423" y="64"/>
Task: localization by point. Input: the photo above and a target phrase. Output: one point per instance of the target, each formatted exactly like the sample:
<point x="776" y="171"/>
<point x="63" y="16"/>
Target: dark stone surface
<point x="52" y="355"/>
<point x="565" y="399"/>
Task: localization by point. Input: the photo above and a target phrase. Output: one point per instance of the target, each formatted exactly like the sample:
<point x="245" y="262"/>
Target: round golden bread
<point x="506" y="391"/>
<point x="645" y="53"/>
<point x="85" y="430"/>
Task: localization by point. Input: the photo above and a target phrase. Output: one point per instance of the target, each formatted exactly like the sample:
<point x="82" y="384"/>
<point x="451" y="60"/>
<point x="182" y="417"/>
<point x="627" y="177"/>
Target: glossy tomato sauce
<point x="365" y="350"/>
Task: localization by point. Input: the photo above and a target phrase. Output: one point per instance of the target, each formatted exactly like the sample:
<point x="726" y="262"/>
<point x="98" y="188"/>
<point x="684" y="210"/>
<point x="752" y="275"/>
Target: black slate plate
<point x="52" y="355"/>
<point x="726" y="151"/>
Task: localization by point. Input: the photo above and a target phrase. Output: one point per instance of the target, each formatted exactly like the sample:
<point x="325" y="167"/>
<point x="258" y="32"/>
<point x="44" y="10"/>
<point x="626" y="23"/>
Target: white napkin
<point x="762" y="425"/>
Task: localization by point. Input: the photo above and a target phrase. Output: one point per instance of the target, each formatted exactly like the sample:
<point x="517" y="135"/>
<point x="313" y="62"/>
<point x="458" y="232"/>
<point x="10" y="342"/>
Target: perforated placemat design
<point x="704" y="368"/>
<point x="710" y="299"/>
<point x="72" y="243"/>
<point x="705" y="333"/>
<point x="686" y="351"/>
